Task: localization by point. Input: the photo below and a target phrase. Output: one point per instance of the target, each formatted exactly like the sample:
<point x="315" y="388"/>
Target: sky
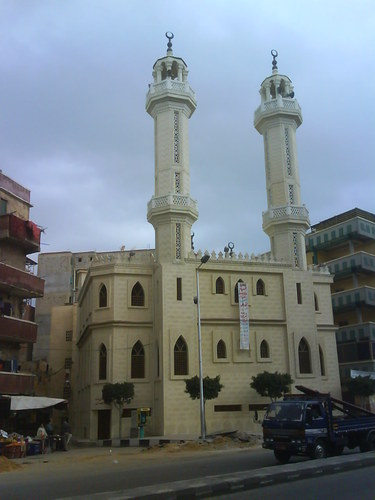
<point x="73" y="127"/>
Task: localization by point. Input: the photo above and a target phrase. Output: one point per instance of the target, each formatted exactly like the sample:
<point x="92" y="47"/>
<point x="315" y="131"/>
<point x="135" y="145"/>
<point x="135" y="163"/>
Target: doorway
<point x="104" y="424"/>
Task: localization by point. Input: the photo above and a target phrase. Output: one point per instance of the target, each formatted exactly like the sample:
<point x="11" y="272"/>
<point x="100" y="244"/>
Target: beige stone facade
<point x="136" y="317"/>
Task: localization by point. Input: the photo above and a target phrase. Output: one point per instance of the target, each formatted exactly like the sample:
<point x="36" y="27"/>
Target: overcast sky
<point x="73" y="127"/>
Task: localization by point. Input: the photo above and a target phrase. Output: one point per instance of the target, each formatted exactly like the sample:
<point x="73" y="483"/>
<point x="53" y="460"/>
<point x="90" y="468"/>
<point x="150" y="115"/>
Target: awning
<point x="33" y="402"/>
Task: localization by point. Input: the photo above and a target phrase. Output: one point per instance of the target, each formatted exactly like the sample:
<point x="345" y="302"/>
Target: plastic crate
<point x="14" y="450"/>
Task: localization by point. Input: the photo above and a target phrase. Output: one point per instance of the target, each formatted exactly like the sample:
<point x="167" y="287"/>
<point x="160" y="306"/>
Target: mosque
<point x="133" y="316"/>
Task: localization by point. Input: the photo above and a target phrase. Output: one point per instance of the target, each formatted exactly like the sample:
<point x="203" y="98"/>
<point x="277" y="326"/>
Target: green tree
<point x="211" y="388"/>
<point x="119" y="394"/>
<point x="272" y="385"/>
<point x="362" y="387"/>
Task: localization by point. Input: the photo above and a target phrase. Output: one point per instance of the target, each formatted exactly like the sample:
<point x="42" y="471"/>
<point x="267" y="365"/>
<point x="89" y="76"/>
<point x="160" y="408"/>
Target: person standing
<point x="66" y="434"/>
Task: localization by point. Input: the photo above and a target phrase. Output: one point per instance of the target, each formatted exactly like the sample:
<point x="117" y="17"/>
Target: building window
<point x="220" y="289"/>
<point x="178" y="241"/>
<point x="3" y="206"/>
<point x="236" y="291"/>
<point x="321" y="359"/>
<point x="264" y="349"/>
<point x="177" y="182"/>
<point x="103" y="296"/>
<point x="176" y="137"/>
<point x="221" y="350"/>
<point x="299" y="293"/>
<point x="304" y="357"/>
<point x="180" y="357"/>
<point x="179" y="288"/>
<point x="138" y="295"/>
<point x="102" y="362"/>
<point x="68" y="335"/>
<point x="68" y="363"/>
<point x="260" y="287"/>
<point x="316" y="303"/>
<point x="138" y="361"/>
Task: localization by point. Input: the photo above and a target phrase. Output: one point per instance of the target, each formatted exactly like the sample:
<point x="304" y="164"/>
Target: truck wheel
<point x="319" y="449"/>
<point x="282" y="456"/>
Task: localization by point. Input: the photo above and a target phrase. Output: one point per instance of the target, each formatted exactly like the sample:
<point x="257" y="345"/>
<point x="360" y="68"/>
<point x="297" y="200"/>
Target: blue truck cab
<point x="316" y="425"/>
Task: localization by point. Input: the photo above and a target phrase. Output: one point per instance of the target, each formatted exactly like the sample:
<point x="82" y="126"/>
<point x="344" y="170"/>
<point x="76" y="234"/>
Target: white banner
<point x="243" y="302"/>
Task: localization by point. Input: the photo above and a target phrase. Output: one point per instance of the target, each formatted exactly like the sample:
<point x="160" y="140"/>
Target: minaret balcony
<point x="286" y="213"/>
<point x="169" y="89"/>
<point x="24" y="233"/>
<point x="15" y="281"/>
<point x="174" y="201"/>
<point x="281" y="105"/>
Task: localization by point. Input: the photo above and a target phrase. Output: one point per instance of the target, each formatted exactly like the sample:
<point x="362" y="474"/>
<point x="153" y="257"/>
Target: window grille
<point x="221" y="350"/>
<point x="180" y="357"/>
<point x="102" y="362"/>
<point x="138" y="295"/>
<point x="176" y="137"/>
<point x="304" y="357"/>
<point x="138" y="361"/>
<point x="220" y="289"/>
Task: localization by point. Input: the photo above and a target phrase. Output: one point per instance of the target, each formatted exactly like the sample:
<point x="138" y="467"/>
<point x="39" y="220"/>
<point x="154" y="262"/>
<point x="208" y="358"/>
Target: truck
<point x="316" y="425"/>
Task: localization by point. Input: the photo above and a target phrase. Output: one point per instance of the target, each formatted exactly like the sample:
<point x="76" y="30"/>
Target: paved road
<point x="349" y="485"/>
<point x="137" y="474"/>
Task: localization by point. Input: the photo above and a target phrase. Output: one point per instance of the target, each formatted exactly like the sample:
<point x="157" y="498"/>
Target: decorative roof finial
<point x="170" y="37"/>
<point x="274" y="62"/>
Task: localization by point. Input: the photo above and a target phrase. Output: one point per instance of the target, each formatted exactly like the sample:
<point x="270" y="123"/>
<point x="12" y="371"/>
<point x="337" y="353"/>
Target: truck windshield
<point x="284" y="411"/>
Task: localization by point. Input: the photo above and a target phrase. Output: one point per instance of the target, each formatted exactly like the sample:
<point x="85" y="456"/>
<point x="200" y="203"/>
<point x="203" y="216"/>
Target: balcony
<point x="350" y="299"/>
<point x="21" y="232"/>
<point x="356" y="333"/>
<point x="17" y="383"/>
<point x="17" y="330"/>
<point x="14" y="281"/>
<point x="360" y="262"/>
<point x="355" y="229"/>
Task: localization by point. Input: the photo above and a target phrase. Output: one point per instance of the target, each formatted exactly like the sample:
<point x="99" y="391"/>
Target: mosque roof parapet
<point x="124" y="257"/>
<point x="240" y="258"/>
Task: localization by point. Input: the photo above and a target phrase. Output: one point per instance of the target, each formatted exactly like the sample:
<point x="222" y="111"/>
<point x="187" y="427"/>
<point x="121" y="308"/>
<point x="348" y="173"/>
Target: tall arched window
<point x="304" y="356"/>
<point x="221" y="350"/>
<point x="264" y="349"/>
<point x="138" y="295"/>
<point x="102" y="362"/>
<point x="321" y="359"/>
<point x="316" y="303"/>
<point x="236" y="291"/>
<point x="103" y="296"/>
<point x="138" y="361"/>
<point x="220" y="285"/>
<point x="180" y="357"/>
<point x="260" y="287"/>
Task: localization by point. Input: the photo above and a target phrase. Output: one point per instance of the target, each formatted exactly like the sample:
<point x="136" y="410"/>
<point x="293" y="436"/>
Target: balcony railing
<point x="17" y="330"/>
<point x="350" y="299"/>
<point x="17" y="282"/>
<point x="178" y="201"/>
<point x="281" y="104"/>
<point x="20" y="231"/>
<point x="299" y="213"/>
<point x="358" y="262"/>
<point x="17" y="383"/>
<point x="356" y="333"/>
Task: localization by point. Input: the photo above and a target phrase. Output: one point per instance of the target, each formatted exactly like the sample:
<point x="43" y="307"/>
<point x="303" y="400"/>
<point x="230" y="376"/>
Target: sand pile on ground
<point x="7" y="465"/>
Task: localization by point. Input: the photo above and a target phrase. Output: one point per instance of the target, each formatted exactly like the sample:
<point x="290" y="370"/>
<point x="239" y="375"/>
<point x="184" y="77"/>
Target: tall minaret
<point x="171" y="102"/>
<point x="277" y="119"/>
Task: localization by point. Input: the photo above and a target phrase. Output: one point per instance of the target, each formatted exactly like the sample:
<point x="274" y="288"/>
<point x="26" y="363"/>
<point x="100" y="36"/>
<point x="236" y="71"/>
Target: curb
<point x="231" y="483"/>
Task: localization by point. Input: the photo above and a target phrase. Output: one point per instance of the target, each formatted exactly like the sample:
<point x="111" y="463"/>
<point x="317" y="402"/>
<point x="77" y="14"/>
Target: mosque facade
<point x="134" y="314"/>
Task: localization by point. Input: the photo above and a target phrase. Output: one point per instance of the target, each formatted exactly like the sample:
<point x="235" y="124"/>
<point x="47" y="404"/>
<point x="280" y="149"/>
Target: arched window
<point x="102" y="362"/>
<point x="180" y="357"/>
<point x="220" y="285"/>
<point x="221" y="350"/>
<point x="304" y="356"/>
<point x="260" y="287"/>
<point x="103" y="296"/>
<point x="264" y="349"/>
<point x="138" y="361"/>
<point x="321" y="359"/>
<point x="236" y="291"/>
<point x="138" y="295"/>
<point x="316" y="303"/>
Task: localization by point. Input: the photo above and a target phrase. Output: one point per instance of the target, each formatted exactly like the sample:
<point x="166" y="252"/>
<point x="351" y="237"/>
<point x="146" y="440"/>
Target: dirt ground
<point x="104" y="456"/>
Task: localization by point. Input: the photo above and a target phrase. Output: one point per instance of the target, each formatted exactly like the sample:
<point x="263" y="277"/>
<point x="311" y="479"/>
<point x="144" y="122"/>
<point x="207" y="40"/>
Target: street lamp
<point x="204" y="259"/>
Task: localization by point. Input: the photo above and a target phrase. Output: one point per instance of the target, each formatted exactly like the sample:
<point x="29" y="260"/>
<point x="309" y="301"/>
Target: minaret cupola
<point x="171" y="102"/>
<point x="277" y="119"/>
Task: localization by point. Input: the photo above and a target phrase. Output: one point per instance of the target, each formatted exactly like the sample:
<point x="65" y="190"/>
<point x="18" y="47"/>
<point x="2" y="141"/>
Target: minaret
<point x="171" y="102"/>
<point x="277" y="119"/>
